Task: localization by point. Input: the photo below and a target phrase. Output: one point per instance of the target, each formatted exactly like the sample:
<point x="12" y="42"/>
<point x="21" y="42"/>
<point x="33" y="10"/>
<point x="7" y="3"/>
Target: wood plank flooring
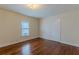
<point x="39" y="47"/>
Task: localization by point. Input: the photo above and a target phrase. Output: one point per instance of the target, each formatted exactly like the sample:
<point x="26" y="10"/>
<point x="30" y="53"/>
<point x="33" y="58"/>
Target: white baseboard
<point x="22" y="40"/>
<point x="68" y="43"/>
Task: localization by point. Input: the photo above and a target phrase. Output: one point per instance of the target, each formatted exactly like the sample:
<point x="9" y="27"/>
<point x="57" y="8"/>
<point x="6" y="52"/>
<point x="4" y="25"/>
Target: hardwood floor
<point x="39" y="47"/>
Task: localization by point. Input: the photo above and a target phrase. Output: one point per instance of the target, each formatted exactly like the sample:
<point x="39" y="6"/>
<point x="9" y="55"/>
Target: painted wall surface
<point x="70" y="28"/>
<point x="62" y="28"/>
<point x="10" y="27"/>
<point x="50" y="28"/>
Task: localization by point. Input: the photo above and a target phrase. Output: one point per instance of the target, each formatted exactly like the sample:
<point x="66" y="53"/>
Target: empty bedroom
<point x="39" y="29"/>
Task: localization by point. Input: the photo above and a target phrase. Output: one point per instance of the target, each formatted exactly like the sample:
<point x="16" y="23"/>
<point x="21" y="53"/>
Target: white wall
<point x="70" y="28"/>
<point x="50" y="28"/>
<point x="10" y="27"/>
<point x="62" y="28"/>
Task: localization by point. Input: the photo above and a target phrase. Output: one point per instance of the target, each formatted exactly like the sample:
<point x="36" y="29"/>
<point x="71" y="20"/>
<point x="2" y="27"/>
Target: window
<point x="25" y="28"/>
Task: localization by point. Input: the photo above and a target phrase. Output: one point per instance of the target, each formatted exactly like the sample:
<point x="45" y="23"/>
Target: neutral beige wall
<point x="10" y="27"/>
<point x="62" y="28"/>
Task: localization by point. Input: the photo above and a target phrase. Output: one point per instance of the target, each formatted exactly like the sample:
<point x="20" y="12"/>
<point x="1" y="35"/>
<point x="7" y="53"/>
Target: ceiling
<point x="45" y="10"/>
